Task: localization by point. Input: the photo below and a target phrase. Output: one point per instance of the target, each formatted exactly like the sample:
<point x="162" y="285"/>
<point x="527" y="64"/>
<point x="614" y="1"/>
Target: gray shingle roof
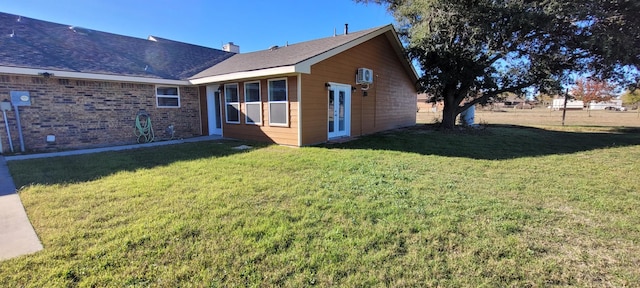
<point x="31" y="43"/>
<point x="282" y="56"/>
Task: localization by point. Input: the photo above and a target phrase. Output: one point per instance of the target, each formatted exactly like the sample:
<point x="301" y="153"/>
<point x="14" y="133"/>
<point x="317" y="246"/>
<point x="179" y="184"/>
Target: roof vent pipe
<point x="346" y="28"/>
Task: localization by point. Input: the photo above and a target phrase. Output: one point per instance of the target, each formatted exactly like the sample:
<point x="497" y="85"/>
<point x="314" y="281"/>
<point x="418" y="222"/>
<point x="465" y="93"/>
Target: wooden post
<point x="564" y="110"/>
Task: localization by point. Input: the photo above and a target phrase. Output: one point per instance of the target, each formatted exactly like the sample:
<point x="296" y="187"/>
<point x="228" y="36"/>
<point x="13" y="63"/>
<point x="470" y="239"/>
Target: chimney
<point x="230" y="47"/>
<point x="346" y="28"/>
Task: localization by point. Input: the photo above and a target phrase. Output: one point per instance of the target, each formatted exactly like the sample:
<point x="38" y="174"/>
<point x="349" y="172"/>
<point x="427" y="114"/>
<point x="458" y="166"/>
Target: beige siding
<point x="390" y="101"/>
<point x="264" y="132"/>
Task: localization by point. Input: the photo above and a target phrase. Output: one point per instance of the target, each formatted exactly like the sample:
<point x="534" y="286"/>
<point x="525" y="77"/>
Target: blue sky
<point x="251" y="24"/>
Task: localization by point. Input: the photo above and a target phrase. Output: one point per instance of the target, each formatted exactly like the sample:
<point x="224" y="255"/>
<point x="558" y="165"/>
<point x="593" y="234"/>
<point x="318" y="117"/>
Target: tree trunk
<point x="449" y="113"/>
<point x="448" y="117"/>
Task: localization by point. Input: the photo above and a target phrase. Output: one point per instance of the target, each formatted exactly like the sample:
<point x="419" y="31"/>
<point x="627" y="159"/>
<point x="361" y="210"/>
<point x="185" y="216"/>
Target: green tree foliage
<point x="632" y="97"/>
<point x="474" y="50"/>
<point x="545" y="99"/>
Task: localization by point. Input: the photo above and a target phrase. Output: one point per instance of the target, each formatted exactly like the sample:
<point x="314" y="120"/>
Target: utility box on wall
<point x="20" y="98"/>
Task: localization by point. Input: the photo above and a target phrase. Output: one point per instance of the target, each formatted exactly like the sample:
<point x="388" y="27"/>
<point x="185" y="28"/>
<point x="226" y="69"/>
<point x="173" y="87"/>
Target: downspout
<point x="19" y="128"/>
<point x="4" y="106"/>
<point x="361" y="111"/>
<point x="299" y="110"/>
<point x="200" y="89"/>
<point x="375" y="110"/>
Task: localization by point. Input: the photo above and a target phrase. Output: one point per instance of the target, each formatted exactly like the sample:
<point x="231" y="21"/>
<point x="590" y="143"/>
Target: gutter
<point x="89" y="76"/>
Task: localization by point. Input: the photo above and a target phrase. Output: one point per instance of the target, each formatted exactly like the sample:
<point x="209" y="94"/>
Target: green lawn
<point x="504" y="206"/>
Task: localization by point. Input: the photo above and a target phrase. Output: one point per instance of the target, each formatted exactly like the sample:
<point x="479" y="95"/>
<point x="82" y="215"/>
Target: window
<point x="232" y="103"/>
<point x="278" y="102"/>
<point x="167" y="97"/>
<point x="252" y="104"/>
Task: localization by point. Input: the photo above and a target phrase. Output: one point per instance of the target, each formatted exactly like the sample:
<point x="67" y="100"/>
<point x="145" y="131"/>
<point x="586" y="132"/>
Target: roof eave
<point x="391" y="35"/>
<point x="284" y="70"/>
<point x="90" y="76"/>
<point x="402" y="55"/>
<point x="305" y="65"/>
<point x="344" y="47"/>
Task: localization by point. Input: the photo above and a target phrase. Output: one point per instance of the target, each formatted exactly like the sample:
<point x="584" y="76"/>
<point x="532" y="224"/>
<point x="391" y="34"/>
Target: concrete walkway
<point x="113" y="148"/>
<point x="17" y="236"/>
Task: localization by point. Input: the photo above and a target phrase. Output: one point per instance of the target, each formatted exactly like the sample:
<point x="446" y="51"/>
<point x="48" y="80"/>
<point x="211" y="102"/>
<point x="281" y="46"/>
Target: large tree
<point x="473" y="50"/>
<point x="632" y="97"/>
<point x="591" y="90"/>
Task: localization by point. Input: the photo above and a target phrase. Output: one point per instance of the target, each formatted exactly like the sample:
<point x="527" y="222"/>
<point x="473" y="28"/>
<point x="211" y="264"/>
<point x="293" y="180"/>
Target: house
<point x="86" y="88"/>
<point x="426" y="104"/>
<point x="509" y="100"/>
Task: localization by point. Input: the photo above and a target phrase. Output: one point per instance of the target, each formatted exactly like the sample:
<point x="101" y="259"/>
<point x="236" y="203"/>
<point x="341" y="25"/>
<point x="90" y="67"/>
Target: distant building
<point x="426" y="105"/>
<point x="558" y="104"/>
<point x="510" y="101"/>
<point x="615" y="103"/>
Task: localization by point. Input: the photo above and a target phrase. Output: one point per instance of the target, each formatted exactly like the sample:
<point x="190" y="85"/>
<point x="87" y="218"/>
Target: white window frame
<point x="158" y="96"/>
<point x="252" y="103"/>
<point x="226" y="103"/>
<point x="286" y="102"/>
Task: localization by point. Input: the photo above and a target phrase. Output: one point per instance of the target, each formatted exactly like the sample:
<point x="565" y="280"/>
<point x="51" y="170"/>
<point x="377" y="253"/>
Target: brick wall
<point x="83" y="113"/>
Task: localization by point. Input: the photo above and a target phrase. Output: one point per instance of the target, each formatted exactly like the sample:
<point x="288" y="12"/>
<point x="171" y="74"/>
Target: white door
<point x="213" y="110"/>
<point x="339" y="110"/>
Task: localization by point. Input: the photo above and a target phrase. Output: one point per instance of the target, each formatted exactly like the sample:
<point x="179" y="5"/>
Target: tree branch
<point x="495" y="58"/>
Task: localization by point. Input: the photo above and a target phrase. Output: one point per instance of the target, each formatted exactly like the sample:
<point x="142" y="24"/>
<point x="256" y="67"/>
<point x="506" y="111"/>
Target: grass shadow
<point x="492" y="142"/>
<point x="88" y="167"/>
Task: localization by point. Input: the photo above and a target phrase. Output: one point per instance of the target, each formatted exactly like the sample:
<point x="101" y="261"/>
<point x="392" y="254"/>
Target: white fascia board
<point x="399" y="49"/>
<point x="90" y="76"/>
<point x="306" y="65"/>
<point x="246" y="75"/>
<point x="302" y="67"/>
